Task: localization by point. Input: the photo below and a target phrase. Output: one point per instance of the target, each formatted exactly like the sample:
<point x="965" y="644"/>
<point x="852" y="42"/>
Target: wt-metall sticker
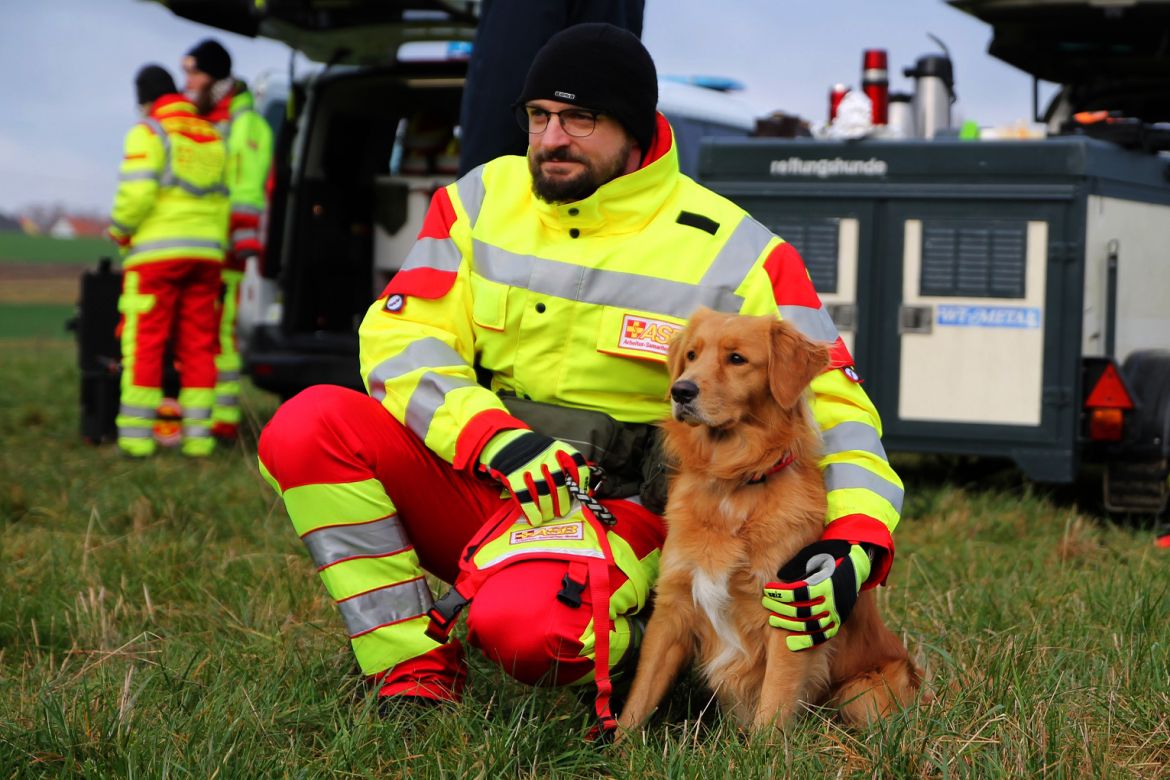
<point x="989" y="316"/>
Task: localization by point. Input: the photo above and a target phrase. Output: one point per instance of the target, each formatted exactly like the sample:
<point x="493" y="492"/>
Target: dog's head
<point x="728" y="369"/>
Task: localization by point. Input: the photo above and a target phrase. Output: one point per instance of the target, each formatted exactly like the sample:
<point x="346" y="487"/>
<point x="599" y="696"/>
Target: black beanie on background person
<point x="152" y="82"/>
<point x="212" y="58"/>
<point x="602" y="67"/>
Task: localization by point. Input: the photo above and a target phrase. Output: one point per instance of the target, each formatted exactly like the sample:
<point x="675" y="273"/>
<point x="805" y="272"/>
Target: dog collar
<point x="782" y="463"/>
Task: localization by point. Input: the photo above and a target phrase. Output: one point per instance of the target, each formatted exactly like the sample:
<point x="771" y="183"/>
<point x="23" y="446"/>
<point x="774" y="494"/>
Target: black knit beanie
<point x="212" y="58"/>
<point x="602" y="67"/>
<point x="152" y="82"/>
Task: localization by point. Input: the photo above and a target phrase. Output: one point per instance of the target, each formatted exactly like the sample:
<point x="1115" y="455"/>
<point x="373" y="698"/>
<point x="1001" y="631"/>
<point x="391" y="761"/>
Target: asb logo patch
<point x="545" y="533"/>
<point x="646" y="335"/>
<point x="395" y="303"/>
<point x="851" y="372"/>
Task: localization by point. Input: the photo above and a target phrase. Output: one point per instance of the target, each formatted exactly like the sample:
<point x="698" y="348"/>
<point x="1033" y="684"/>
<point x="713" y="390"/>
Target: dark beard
<point x="580" y="186"/>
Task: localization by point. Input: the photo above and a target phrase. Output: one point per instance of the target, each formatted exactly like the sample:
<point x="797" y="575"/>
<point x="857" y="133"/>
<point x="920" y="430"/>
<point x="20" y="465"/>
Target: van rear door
<point x="359" y="32"/>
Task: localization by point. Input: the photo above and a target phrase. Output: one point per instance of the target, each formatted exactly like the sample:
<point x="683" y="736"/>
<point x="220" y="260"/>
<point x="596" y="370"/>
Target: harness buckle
<point x="573" y="585"/>
<point x="443" y="614"/>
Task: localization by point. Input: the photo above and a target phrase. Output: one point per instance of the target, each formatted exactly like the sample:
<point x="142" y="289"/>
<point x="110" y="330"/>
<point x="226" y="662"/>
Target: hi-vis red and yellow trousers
<point x="165" y="300"/>
<point x="376" y="509"/>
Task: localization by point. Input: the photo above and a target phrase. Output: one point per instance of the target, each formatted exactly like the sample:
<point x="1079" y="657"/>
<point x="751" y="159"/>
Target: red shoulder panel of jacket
<point x="440" y="216"/>
<point x="840" y="357"/>
<point x="856" y="529"/>
<point x="429" y="283"/>
<point x="791" y="285"/>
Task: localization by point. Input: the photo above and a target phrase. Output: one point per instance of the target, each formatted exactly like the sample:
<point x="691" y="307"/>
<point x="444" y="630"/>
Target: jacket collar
<point x="627" y="203"/>
<point x="171" y="106"/>
<point x="238" y="100"/>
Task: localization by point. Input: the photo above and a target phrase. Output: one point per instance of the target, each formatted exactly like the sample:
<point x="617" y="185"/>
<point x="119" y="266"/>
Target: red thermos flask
<point x="875" y="82"/>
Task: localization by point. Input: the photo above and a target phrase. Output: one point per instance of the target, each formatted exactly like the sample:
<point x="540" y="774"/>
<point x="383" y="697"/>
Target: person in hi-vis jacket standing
<point x="169" y="217"/>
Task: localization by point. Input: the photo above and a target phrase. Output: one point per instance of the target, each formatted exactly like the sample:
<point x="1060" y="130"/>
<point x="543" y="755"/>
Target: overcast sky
<point x="68" y="68"/>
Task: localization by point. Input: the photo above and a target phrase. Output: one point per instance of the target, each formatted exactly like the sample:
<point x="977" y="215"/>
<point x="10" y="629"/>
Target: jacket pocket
<point x="489" y="304"/>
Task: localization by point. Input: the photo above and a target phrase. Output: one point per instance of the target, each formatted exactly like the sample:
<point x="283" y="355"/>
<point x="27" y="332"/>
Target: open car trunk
<point x="1112" y="56"/>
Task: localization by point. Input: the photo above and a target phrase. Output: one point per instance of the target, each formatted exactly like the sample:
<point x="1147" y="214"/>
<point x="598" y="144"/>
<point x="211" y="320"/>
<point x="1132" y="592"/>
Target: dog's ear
<point x="793" y="362"/>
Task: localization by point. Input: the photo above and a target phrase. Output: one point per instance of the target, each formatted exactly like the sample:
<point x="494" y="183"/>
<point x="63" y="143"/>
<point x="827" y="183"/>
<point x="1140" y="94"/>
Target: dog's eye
<point x="736" y="359"/>
<point x="691" y="355"/>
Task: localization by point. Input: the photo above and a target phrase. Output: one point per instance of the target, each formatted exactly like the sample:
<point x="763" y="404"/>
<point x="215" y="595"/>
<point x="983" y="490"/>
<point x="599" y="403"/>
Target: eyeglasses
<point x="577" y="122"/>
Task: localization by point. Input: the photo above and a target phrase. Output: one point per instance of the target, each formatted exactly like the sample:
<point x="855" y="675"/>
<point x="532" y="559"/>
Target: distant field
<point x="34" y="320"/>
<point x="78" y="251"/>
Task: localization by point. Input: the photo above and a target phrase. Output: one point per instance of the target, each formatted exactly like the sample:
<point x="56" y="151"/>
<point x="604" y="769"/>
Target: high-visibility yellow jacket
<point x="171" y="201"/>
<point x="574" y="304"/>
<point x="249" y="161"/>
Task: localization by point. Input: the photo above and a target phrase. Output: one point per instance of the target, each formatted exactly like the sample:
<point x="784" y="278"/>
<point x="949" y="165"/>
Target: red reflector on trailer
<point x="262" y="369"/>
<point x="1105" y="425"/>
<point x="1109" y="392"/>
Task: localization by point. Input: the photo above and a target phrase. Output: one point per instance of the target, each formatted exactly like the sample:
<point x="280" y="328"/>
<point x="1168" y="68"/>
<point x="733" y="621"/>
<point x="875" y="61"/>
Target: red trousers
<point x="330" y="436"/>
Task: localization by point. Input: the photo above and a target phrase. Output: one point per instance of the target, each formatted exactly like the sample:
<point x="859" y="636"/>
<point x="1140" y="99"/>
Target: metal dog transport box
<point x="1001" y="298"/>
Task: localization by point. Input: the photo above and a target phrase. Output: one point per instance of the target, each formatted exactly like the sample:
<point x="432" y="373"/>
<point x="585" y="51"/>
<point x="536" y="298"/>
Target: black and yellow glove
<point x="816" y="592"/>
<point x="533" y="467"/>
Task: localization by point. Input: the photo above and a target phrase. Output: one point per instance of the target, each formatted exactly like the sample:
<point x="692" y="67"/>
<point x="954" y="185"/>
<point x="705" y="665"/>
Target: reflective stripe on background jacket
<point x="249" y="158"/>
<point x="574" y="304"/>
<point x="171" y="201"/>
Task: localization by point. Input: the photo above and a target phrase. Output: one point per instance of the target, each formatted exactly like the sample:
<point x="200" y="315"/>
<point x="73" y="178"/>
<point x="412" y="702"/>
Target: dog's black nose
<point x="684" y="392"/>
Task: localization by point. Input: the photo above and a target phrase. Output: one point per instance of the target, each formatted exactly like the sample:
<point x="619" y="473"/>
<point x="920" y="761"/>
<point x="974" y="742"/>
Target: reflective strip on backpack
<point x="599" y="287"/>
<point x="367" y="611"/>
<point x="336" y="543"/>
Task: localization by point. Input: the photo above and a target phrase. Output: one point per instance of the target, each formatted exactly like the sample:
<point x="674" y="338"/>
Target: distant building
<point x="77" y="227"/>
<point x="10" y="224"/>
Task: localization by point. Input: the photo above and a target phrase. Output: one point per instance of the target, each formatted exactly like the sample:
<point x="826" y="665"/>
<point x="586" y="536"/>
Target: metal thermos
<point x="835" y="94"/>
<point x="875" y="83"/>
<point x="901" y="115"/>
<point x="934" y="91"/>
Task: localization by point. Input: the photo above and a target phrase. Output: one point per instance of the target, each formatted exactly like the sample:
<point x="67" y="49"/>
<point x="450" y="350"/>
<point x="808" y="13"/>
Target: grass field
<point x="160" y="619"/>
<point x="44" y="249"/>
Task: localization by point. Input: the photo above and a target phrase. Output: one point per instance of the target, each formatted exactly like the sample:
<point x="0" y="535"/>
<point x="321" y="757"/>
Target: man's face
<point x="565" y="168"/>
<point x="198" y="87"/>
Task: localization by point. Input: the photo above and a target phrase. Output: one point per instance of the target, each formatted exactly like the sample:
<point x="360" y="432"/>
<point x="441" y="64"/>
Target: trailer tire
<point x="1148" y="374"/>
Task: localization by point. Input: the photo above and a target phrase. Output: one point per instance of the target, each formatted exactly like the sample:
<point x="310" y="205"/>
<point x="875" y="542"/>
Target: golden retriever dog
<point x="739" y="407"/>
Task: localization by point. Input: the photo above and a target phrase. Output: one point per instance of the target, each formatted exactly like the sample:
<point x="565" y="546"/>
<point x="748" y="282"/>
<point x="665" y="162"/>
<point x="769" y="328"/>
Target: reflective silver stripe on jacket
<point x="439" y="253"/>
<point x="193" y="189"/>
<point x="336" y="543"/>
<point x="367" y="611"/>
<point x="116" y="225"/>
<point x="842" y="476"/>
<point x="743" y="248"/>
<point x="816" y="324"/>
<point x="226" y="401"/>
<point x="127" y="410"/>
<point x="134" y="432"/>
<point x="251" y="211"/>
<point x="139" y="176"/>
<point x="228" y="376"/>
<point x="174" y="243"/>
<point x="603" y="288"/>
<point x="196" y="432"/>
<point x="471" y="192"/>
<point x="423" y="353"/>
<point x="428" y="396"/>
<point x="853" y="437"/>
<point x="196" y="412"/>
<point x="245" y="234"/>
